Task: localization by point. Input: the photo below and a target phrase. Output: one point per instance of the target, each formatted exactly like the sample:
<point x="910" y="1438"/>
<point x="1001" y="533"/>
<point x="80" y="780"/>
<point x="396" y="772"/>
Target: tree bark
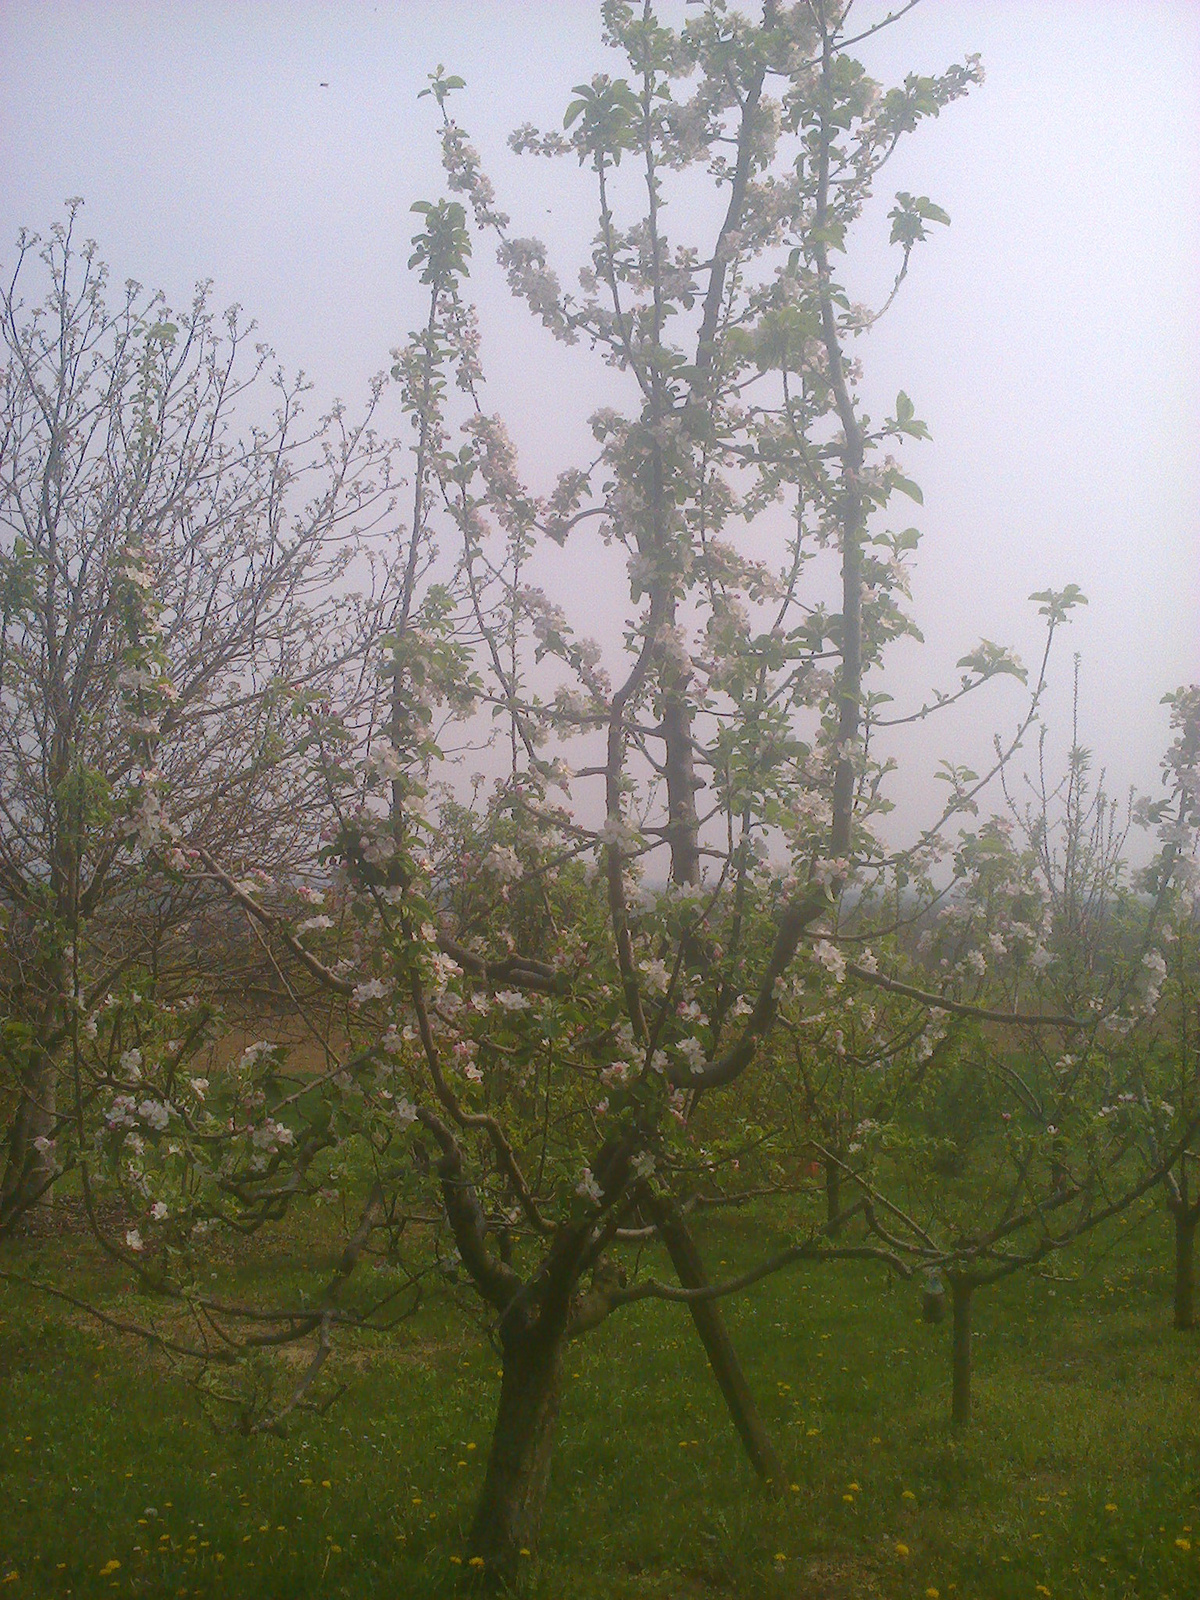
<point x="29" y="1172"/>
<point x="718" y="1346"/>
<point x="833" y="1195"/>
<point x="508" y="1515"/>
<point x="1185" y="1238"/>
<point x="960" y="1409"/>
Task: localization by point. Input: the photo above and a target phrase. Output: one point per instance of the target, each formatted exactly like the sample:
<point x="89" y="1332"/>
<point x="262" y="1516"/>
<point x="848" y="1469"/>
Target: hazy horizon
<point x="1049" y="336"/>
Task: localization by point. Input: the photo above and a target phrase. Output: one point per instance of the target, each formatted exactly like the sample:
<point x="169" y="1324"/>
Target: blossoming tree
<point x="564" y="993"/>
<point x="166" y="583"/>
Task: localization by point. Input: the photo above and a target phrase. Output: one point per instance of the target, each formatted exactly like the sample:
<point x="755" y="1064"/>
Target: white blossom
<point x="831" y="958"/>
<point x="511" y="1000"/>
<point x="588" y="1187"/>
<point x="404" y="1112"/>
<point x="373" y="989"/>
<point x="504" y="863"/>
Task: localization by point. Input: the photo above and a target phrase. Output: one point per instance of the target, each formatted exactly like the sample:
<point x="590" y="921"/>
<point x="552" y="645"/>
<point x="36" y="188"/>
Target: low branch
<point x="959" y="1008"/>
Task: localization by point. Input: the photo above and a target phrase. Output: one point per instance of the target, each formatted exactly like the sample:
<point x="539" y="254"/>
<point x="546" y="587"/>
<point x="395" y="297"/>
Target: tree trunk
<point x="1185" y="1238"/>
<point x="509" y="1512"/>
<point x="833" y="1195"/>
<point x="682" y="822"/>
<point x="28" y="1171"/>
<point x="718" y="1346"/>
<point x="961" y="1293"/>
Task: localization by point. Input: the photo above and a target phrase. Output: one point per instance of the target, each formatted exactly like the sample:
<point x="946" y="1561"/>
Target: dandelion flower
<point x="907" y="1494"/>
<point x="108" y="1568"/>
<point x="901" y="1548"/>
<point x="1184" y="1544"/>
<point x="475" y="1561"/>
<point x="1110" y="1506"/>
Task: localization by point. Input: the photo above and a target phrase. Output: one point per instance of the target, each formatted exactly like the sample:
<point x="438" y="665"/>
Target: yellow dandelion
<point x="456" y="1561"/>
<point x="931" y="1593"/>
<point x="326" y="1484"/>
<point x="901" y="1548"/>
<point x="336" y="1548"/>
<point x="779" y="1556"/>
<point x="11" y="1577"/>
<point x="108" y="1568"/>
<point x="1110" y="1506"/>
<point x="907" y="1494"/>
<point x="794" y="1488"/>
<point x="1040" y="1588"/>
<point x="523" y="1551"/>
<point x="848" y="1498"/>
<point x="475" y="1561"/>
<point x="471" y="1446"/>
<point x="854" y="1488"/>
<point x="1184" y="1544"/>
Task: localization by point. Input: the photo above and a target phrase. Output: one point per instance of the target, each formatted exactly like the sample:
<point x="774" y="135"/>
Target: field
<point x="1080" y="1477"/>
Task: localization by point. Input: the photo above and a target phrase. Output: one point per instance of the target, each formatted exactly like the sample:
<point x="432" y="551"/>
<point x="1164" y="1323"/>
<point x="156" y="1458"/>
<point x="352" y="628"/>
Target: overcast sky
<point x="1049" y="337"/>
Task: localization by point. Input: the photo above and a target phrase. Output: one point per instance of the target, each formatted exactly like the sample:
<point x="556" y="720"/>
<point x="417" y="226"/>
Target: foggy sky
<point x="1048" y="337"/>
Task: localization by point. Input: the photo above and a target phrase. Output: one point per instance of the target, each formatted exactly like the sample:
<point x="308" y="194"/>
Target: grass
<point x="1080" y="1477"/>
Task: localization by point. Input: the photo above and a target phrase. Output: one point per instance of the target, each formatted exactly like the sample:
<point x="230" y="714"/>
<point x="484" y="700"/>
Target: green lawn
<point x="1080" y="1478"/>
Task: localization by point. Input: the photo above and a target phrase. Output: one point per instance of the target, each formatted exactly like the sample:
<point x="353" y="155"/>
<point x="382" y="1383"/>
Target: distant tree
<point x="174" y="545"/>
<point x="1161" y="1090"/>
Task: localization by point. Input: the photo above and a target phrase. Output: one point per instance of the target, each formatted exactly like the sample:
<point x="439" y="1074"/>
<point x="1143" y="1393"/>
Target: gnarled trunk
<point x="1186" y="1219"/>
<point x="508" y="1515"/>
<point x="961" y="1292"/>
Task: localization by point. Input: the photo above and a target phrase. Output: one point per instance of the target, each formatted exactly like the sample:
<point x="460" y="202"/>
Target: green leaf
<point x="907" y="486"/>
